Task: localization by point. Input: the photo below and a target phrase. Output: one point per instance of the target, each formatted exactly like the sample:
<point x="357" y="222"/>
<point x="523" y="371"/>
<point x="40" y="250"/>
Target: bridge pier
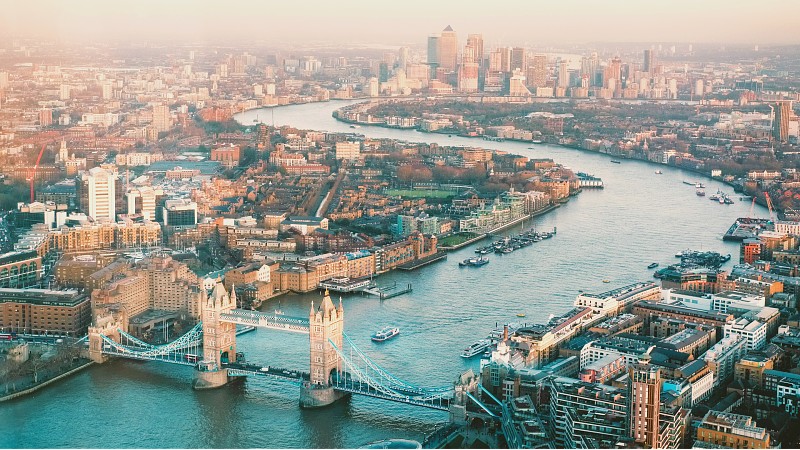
<point x="316" y="396"/>
<point x="104" y="326"/>
<point x="210" y="379"/>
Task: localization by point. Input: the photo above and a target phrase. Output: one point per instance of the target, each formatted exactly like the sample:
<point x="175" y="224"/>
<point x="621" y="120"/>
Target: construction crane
<point x="769" y="205"/>
<point x="36" y="166"/>
<point x="752" y="208"/>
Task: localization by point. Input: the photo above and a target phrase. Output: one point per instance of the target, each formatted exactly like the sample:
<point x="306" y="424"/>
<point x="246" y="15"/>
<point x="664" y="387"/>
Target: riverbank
<point x="38" y="386"/>
<point x="483" y="236"/>
<point x="337" y="116"/>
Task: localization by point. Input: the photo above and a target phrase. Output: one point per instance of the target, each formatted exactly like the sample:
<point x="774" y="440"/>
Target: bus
<point x="191" y="358"/>
<point x="7" y="336"/>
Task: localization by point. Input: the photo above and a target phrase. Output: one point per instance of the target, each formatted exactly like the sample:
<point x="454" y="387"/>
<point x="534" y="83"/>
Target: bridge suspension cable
<point x="184" y="350"/>
<point x="393" y="380"/>
<point x="378" y="384"/>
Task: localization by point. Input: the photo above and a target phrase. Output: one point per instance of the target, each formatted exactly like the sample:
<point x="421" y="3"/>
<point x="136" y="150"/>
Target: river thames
<point x="610" y="234"/>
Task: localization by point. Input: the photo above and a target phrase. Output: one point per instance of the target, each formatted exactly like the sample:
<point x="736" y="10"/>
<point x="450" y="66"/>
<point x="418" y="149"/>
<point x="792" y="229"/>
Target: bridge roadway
<point x="343" y="382"/>
<point x="265" y="320"/>
<point x="244" y="370"/>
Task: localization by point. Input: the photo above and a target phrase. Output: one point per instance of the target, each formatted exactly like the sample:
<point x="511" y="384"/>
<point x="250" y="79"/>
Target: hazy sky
<point x="403" y="21"/>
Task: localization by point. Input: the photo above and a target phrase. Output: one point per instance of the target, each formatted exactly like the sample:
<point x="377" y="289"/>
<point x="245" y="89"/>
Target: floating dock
<point x="346" y="284"/>
<point x="389" y="291"/>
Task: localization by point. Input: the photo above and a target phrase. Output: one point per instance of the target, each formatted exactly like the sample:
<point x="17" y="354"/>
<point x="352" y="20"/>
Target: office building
<point x="475" y="43"/>
<point x="780" y="123"/>
<point x="348" y="150"/>
<point x="180" y="213"/>
<point x="433" y="54"/>
<point x="448" y="49"/>
<point x="101" y="194"/>
<point x="731" y="431"/>
<point x="722" y="357"/>
<point x="519" y="59"/>
<point x="754" y="332"/>
<point x="648" y="63"/>
<point x="45" y="311"/>
<point x="563" y="74"/>
<point x="142" y="200"/>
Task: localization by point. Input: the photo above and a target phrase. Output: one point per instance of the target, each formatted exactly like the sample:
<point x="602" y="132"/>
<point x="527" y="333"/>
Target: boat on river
<point x="658" y="172"/>
<point x="652" y="265"/>
<point x="476" y="349"/>
<point x="385" y="334"/>
<point x="614" y="161"/>
<point x="474" y="262"/>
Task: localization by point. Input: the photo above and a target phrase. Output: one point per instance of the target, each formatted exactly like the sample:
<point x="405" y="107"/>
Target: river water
<point x="610" y="234"/>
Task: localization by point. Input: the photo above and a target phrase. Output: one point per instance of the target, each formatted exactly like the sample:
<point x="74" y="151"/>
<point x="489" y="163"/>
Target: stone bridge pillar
<point x="467" y="383"/>
<point x="325" y="324"/>
<point x="107" y="325"/>
<point x="219" y="339"/>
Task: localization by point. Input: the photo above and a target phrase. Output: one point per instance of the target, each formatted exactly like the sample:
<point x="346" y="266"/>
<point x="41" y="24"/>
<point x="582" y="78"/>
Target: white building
<point x="348" y="150"/>
<point x="134" y="159"/>
<point x="101" y="185"/>
<point x="611" y="303"/>
<point x="690" y="299"/>
<point x="701" y="388"/>
<point x="739" y="300"/>
<point x="722" y="357"/>
<point x="753" y="331"/>
<point x="142" y="200"/>
<point x="102" y="119"/>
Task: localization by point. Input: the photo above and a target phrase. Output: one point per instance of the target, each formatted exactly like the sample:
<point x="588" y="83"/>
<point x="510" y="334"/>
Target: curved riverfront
<point x="610" y="234"/>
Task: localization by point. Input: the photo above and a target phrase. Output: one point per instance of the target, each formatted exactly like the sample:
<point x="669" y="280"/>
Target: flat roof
<point x="48" y="297"/>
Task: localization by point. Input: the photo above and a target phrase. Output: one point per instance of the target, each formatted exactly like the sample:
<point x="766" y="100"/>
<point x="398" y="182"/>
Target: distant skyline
<point x="408" y="22"/>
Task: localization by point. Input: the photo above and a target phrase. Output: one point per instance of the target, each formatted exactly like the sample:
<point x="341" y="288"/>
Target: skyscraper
<point x="519" y="59"/>
<point x="402" y="58"/>
<point x="161" y="118"/>
<point x="780" y="126"/>
<point x="644" y="402"/>
<point x="505" y="59"/>
<point x="101" y="194"/>
<point x="475" y="41"/>
<point x="433" y="54"/>
<point x="448" y="49"/>
<point x="538" y="71"/>
<point x="648" y="65"/>
<point x="563" y="74"/>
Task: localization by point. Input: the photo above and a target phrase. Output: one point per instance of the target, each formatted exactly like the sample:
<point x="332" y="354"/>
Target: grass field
<point x="419" y="193"/>
<point x="455" y="239"/>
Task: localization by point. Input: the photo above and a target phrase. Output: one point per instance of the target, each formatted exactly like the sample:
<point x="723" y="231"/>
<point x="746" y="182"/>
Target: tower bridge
<point x="337" y="367"/>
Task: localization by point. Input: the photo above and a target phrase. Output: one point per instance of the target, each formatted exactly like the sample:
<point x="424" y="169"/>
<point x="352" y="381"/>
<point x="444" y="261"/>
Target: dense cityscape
<point x="457" y="242"/>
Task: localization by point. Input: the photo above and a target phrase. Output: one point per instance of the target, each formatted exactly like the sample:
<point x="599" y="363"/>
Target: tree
<point x="415" y="173"/>
<point x="35" y="366"/>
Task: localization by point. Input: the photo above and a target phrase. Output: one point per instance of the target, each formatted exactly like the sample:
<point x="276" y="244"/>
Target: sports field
<point x="419" y="193"/>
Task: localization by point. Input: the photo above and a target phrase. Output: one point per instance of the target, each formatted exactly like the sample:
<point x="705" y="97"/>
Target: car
<point x="264" y="369"/>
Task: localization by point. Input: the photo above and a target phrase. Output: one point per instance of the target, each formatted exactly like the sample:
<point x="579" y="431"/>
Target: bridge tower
<point x="325" y="324"/>
<point x="105" y="325"/>
<point x="219" y="339"/>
